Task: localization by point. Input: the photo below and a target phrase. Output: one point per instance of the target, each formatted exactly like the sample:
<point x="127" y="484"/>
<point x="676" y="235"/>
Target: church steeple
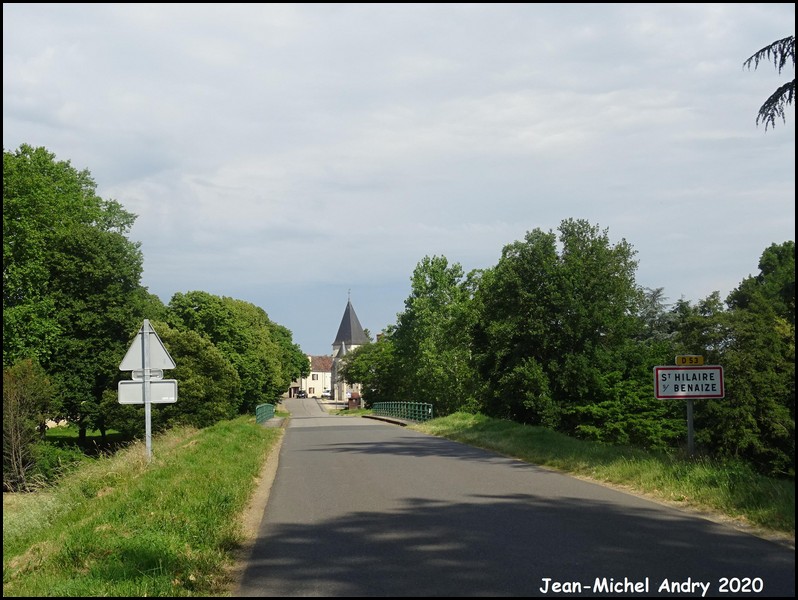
<point x="350" y="332"/>
<point x="350" y="336"/>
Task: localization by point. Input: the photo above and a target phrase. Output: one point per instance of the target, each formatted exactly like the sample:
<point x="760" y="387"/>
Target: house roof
<point x="350" y="331"/>
<point x="321" y="364"/>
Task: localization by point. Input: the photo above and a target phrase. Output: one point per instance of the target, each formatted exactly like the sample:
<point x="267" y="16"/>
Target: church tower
<point x="350" y="336"/>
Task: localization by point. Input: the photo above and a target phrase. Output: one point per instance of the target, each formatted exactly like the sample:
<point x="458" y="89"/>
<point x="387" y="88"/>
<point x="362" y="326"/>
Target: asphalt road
<point x="364" y="508"/>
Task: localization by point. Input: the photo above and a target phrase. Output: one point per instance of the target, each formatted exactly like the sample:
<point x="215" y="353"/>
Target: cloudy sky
<point x="289" y="155"/>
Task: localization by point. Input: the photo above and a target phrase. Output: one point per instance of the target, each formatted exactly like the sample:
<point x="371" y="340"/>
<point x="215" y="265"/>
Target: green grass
<point x="125" y="526"/>
<point x="729" y="489"/>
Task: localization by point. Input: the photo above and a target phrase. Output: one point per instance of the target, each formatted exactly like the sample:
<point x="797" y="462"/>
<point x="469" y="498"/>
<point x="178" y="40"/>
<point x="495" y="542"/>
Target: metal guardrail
<point x="412" y="411"/>
<point x="264" y="412"/>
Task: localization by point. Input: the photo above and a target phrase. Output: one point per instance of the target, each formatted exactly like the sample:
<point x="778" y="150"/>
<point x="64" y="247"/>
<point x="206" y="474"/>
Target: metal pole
<point x="145" y="346"/>
<point x="690" y="440"/>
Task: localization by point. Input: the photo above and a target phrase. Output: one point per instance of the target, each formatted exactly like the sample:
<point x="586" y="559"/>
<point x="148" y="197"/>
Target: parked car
<point x="326" y="394"/>
<point x="301" y="394"/>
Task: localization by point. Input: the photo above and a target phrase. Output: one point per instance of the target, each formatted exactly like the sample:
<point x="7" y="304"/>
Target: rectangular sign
<point x="162" y="391"/>
<point x="689" y="360"/>
<point x="689" y="382"/>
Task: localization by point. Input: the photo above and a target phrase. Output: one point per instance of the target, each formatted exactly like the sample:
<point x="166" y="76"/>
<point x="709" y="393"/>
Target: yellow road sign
<point x="689" y="360"/>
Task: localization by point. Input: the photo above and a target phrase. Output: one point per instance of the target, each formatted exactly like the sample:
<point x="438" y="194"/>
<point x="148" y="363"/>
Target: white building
<point x="318" y="381"/>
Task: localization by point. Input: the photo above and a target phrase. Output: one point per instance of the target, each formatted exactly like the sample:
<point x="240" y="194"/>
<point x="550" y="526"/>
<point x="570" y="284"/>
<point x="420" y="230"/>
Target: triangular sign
<point x="135" y="359"/>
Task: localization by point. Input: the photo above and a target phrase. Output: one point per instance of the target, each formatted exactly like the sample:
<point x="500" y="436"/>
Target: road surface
<point x="364" y="508"/>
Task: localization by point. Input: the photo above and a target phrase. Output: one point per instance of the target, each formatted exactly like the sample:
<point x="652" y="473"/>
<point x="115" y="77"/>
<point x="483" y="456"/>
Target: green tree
<point x="27" y="395"/>
<point x="430" y="341"/>
<point x="98" y="294"/>
<point x="702" y="328"/>
<point x="245" y="336"/>
<point x="754" y="340"/>
<point x="295" y="362"/>
<point x="775" y="283"/>
<point x="657" y="322"/>
<point x="71" y="278"/>
<point x="516" y="305"/>
<point x="373" y="366"/>
<point x="780" y="52"/>
<point x="549" y="322"/>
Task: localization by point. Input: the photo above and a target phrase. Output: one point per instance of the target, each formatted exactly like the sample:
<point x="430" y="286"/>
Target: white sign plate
<point x="162" y="391"/>
<point x="689" y="382"/>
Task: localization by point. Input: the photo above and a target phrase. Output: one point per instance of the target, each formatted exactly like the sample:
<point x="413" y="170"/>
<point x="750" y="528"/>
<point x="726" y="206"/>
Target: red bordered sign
<point x="689" y="382"/>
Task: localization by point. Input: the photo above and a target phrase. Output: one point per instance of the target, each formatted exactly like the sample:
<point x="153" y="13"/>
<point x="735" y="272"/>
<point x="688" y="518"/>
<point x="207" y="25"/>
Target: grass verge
<point x="126" y="526"/>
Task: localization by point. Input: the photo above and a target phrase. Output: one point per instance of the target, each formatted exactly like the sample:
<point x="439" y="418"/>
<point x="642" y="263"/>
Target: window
<point x="315" y="377"/>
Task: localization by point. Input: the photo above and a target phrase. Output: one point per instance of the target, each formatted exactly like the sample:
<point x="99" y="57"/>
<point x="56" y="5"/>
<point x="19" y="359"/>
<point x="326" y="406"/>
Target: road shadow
<point x="509" y="545"/>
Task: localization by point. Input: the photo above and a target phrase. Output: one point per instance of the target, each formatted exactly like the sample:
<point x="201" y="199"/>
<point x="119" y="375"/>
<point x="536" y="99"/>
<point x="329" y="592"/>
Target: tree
<point x="97" y="293"/>
<point x="71" y="278"/>
<point x="295" y="362"/>
<point x="44" y="202"/>
<point x="756" y="419"/>
<point x="431" y="342"/>
<point x="754" y="340"/>
<point x="246" y="337"/>
<point x="27" y="394"/>
<point x="374" y="368"/>
<point x="781" y="52"/>
<point x="548" y="322"/>
<point x="517" y="310"/>
<point x="775" y="282"/>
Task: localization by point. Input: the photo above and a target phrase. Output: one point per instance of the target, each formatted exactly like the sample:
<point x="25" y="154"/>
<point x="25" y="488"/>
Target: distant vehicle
<point x="301" y="394"/>
<point x="326" y="394"/>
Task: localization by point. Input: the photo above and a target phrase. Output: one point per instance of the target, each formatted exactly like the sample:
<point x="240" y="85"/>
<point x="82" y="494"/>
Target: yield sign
<point x="159" y="357"/>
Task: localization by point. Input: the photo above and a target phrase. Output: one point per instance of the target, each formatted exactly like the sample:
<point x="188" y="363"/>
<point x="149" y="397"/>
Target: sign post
<point x="689" y="383"/>
<point x="146" y="359"/>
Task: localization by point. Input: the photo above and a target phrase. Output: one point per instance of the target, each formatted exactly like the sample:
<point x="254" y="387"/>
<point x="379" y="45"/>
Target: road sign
<point x="689" y="382"/>
<point x="147" y="358"/>
<point x="162" y="391"/>
<point x="159" y="357"/>
<point x="689" y="360"/>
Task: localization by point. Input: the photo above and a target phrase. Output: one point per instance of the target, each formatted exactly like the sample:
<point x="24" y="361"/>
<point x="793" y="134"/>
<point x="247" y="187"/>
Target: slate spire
<point x="350" y="332"/>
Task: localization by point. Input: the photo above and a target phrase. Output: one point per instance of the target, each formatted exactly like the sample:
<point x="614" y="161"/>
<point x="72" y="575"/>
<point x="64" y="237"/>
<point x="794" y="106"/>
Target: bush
<point x="51" y="461"/>
<point x="27" y="395"/>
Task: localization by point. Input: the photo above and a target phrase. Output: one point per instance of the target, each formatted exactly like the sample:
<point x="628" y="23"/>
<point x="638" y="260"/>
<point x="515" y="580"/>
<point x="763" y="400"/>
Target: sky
<point x="296" y="156"/>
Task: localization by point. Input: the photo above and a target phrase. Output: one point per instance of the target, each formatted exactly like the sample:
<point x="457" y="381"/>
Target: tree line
<point x="72" y="302"/>
<point x="559" y="334"/>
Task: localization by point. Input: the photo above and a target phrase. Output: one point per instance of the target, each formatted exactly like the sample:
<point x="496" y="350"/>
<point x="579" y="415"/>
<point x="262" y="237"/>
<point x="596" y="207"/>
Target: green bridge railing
<point x="264" y="412"/>
<point x="412" y="411"/>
